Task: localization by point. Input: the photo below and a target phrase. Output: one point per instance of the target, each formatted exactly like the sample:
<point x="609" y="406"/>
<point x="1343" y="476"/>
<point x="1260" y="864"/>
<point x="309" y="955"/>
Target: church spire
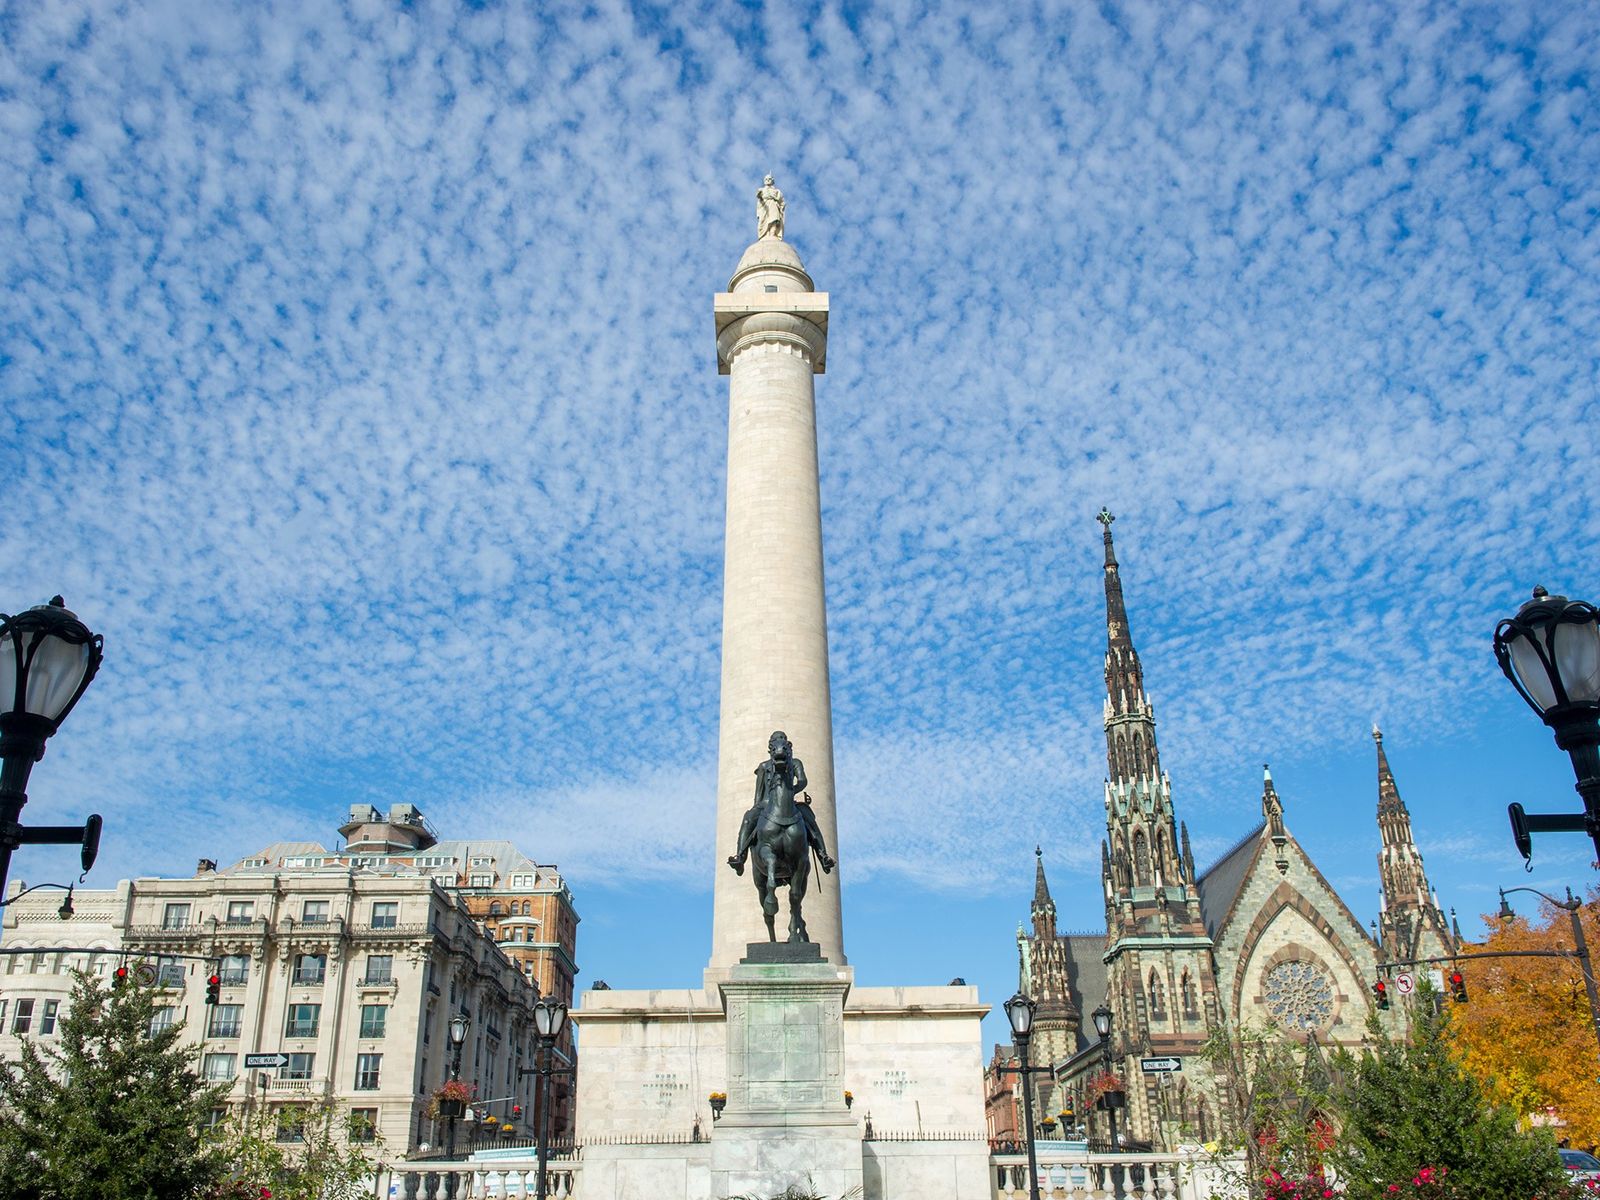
<point x="1044" y="908"/>
<point x="1139" y="820"/>
<point x="1411" y="918"/>
<point x="1124" y="676"/>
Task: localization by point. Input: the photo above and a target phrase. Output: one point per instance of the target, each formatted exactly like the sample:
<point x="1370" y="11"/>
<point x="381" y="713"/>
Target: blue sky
<point x="359" y="386"/>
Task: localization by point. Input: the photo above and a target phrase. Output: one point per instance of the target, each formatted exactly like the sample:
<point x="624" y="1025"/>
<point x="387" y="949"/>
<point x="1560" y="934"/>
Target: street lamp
<point x="549" y="1019"/>
<point x="1102" y="1026"/>
<point x="1573" y="906"/>
<point x="1550" y="651"/>
<point x="459" y="1024"/>
<point x="47" y="658"/>
<point x="1019" y="1011"/>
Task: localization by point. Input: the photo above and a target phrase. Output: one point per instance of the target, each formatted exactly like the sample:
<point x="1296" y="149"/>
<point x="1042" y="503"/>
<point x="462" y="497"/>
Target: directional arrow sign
<point x="265" y="1060"/>
<point x="1153" y="1066"/>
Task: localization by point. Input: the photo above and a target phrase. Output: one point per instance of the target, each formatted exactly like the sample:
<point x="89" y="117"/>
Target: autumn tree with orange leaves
<point x="1526" y="1029"/>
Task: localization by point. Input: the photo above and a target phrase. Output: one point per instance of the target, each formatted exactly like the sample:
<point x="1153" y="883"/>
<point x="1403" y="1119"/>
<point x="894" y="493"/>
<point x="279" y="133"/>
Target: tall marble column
<point x="772" y="338"/>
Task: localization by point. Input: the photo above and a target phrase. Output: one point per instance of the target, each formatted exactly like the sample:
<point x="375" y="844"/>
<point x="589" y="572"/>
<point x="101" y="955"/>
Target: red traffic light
<point x="122" y="974"/>
<point x="1458" y="987"/>
<point x="1381" y="990"/>
<point x="213" y="989"/>
<point x="516" y="1110"/>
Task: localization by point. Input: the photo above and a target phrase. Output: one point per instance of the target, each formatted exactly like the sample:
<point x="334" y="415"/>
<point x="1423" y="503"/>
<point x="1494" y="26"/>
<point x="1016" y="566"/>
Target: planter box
<point x="451" y="1108"/>
<point x="1110" y="1100"/>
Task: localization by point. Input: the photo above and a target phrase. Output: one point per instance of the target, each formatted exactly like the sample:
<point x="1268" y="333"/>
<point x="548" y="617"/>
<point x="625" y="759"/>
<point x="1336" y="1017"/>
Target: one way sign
<point x="1156" y="1066"/>
<point x="252" y="1061"/>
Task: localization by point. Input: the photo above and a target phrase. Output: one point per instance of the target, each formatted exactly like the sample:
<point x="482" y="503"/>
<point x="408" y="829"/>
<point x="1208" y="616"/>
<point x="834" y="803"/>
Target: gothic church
<point x="1260" y="935"/>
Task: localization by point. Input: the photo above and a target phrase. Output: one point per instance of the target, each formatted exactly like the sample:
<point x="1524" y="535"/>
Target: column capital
<point x="800" y="318"/>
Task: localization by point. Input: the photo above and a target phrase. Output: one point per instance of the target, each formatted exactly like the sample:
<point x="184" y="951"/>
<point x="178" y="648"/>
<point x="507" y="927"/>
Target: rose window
<point x="1299" y="995"/>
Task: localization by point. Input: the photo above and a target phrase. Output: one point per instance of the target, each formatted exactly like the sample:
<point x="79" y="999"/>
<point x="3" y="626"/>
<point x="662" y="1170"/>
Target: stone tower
<point x="1161" y="985"/>
<point x="772" y="339"/>
<point x="1411" y="925"/>
<point x="1046" y="978"/>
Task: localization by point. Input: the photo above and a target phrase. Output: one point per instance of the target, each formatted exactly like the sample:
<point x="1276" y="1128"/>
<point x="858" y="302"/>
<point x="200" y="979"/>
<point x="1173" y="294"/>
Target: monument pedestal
<point x="786" y="1121"/>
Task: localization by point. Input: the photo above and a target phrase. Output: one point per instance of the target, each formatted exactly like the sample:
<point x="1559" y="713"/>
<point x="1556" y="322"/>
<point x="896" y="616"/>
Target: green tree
<point x="1408" y="1103"/>
<point x="1270" y="1091"/>
<point x="300" y="1152"/>
<point x="113" y="1111"/>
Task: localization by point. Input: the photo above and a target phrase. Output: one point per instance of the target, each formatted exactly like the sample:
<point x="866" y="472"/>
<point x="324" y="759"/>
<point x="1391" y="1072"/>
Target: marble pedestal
<point x="786" y="1121"/>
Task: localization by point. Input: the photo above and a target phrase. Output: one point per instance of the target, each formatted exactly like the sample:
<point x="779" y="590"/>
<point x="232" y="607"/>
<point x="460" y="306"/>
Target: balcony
<point x="233" y="978"/>
<point x="224" y="1029"/>
<point x="308" y="978"/>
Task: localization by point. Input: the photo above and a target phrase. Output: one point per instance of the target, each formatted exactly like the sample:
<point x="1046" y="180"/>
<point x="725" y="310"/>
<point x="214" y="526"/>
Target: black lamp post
<point x="1019" y="1011"/>
<point x="459" y="1024"/>
<point x="1102" y="1026"/>
<point x="549" y="1018"/>
<point x="1573" y="907"/>
<point x="1550" y="651"/>
<point x="47" y="658"/>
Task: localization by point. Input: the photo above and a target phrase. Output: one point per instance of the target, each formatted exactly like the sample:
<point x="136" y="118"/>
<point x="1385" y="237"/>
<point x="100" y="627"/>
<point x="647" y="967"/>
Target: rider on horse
<point x="781" y="771"/>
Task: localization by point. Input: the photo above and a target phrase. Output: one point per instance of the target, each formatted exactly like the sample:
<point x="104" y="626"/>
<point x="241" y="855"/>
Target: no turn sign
<point x="1405" y="983"/>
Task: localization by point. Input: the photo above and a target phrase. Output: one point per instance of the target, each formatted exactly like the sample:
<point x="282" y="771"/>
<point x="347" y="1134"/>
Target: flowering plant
<point x="1427" y="1183"/>
<point x="1100" y="1084"/>
<point x="451" y="1092"/>
<point x="1278" y="1186"/>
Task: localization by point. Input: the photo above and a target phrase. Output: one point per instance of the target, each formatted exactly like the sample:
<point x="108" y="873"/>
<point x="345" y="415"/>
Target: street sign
<point x="265" y="1060"/>
<point x="1405" y="983"/>
<point x="1152" y="1066"/>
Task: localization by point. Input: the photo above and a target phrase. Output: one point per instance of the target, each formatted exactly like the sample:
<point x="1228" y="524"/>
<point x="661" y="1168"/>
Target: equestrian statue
<point x="781" y="830"/>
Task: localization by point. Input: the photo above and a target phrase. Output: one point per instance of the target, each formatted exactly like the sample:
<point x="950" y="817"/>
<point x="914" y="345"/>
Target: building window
<point x="215" y="1067"/>
<point x="385" y="914"/>
<point x="47" y="1022"/>
<point x="235" y="969"/>
<point x="314" y="910"/>
<point x="303" y="1020"/>
<point x="1299" y="995"/>
<point x="292" y="1124"/>
<point x="380" y="968"/>
<point x="484" y="861"/>
<point x="298" y="1067"/>
<point x="367" y="1068"/>
<point x="310" y="968"/>
<point x="1157" y="995"/>
<point x="175" y="916"/>
<point x="494" y="908"/>
<point x="522" y="881"/>
<point x="373" y="1019"/>
<point x="363" y="1124"/>
<point x="1186" y="990"/>
<point x="241" y="912"/>
<point x="23" y="1021"/>
<point x="162" y="1018"/>
<point x="482" y="881"/>
<point x="224" y="1021"/>
<point x="3" y="1004"/>
<point x="427" y="1021"/>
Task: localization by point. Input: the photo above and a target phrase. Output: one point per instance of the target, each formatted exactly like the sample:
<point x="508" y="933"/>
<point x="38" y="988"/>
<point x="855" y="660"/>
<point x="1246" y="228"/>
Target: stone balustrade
<point x="1081" y="1175"/>
<point x="1065" y="1175"/>
<point x="503" y="1179"/>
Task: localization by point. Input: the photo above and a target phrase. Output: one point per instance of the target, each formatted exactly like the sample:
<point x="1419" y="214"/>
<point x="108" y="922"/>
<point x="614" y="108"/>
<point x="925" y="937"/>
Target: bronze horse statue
<point x="781" y="832"/>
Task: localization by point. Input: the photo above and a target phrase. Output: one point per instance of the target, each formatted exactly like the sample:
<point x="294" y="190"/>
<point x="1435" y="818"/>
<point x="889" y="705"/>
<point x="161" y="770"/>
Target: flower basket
<point x="1106" y="1101"/>
<point x="449" y="1109"/>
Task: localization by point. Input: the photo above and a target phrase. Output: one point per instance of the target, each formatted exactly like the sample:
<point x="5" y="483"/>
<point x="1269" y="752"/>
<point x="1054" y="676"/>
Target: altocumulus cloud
<point x="359" y="385"/>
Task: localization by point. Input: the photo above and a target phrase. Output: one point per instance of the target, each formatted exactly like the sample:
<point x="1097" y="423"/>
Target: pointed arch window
<point x="1138" y="753"/>
<point x="1191" y="1007"/>
<point x="1141" y="858"/>
<point x="1157" y="996"/>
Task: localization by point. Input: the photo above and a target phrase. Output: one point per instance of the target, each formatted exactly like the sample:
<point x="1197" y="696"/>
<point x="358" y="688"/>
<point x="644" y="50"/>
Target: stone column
<point x="772" y="336"/>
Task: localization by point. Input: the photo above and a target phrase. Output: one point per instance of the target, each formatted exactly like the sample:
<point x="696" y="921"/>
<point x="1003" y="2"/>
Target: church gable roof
<point x="1219" y="886"/>
<point x="1086" y="972"/>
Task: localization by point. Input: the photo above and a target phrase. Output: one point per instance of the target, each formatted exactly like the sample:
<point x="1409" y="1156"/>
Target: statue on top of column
<point x="769" y="211"/>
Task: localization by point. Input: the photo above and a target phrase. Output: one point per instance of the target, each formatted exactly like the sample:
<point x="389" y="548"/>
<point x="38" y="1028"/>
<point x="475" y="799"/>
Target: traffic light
<point x="516" y="1112"/>
<point x="213" y="988"/>
<point x="1458" y="987"/>
<point x="1381" y="991"/>
<point x="121" y="975"/>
